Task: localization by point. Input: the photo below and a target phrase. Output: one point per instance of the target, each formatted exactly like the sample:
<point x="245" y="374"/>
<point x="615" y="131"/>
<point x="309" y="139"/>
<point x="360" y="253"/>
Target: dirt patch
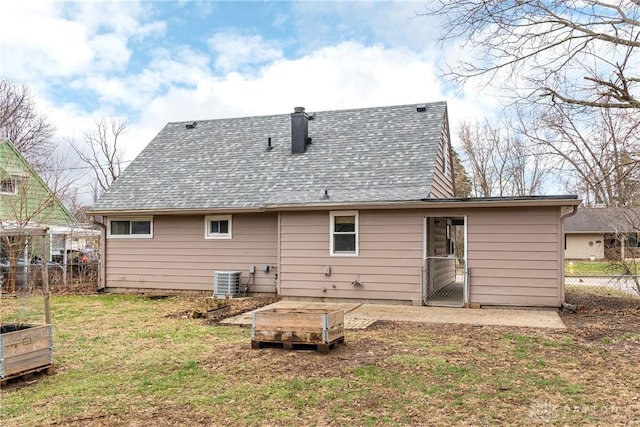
<point x="238" y="306"/>
<point x="75" y="288"/>
<point x="244" y="305"/>
<point x="603" y="311"/>
<point x="605" y="319"/>
<point x="599" y="299"/>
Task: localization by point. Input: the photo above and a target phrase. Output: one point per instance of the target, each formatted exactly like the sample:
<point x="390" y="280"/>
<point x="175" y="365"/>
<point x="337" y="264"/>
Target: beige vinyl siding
<point x="515" y="256"/>
<point x="178" y="257"/>
<point x="584" y="246"/>
<point x="388" y="265"/>
<point x="442" y="184"/>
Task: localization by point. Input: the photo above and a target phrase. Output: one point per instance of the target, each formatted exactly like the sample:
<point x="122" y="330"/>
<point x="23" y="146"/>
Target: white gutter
<point x="420" y="204"/>
<point x="173" y="211"/>
<point x="404" y="204"/>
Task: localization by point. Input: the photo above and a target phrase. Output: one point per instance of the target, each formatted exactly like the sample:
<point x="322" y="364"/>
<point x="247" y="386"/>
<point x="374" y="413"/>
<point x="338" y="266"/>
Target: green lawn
<point x="125" y="360"/>
<point x="594" y="268"/>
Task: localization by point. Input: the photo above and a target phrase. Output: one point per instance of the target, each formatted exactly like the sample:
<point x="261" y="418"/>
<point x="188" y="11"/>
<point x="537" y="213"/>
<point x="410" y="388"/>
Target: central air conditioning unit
<point x="226" y="283"/>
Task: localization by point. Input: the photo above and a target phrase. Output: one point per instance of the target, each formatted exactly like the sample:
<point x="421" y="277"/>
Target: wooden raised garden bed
<point x="25" y="348"/>
<point x="291" y="328"/>
<point x="217" y="307"/>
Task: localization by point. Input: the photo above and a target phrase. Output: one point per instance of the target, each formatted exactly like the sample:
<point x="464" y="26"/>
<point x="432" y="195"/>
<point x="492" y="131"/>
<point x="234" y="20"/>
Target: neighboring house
<point x="26" y="204"/>
<point x="602" y="233"/>
<point x="24" y="197"/>
<point x="26" y="201"/>
<point x="337" y="205"/>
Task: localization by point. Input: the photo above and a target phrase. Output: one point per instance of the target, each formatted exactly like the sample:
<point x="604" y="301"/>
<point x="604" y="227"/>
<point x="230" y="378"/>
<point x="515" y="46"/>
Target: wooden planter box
<point x="216" y="307"/>
<point x="24" y="348"/>
<point x="291" y="327"/>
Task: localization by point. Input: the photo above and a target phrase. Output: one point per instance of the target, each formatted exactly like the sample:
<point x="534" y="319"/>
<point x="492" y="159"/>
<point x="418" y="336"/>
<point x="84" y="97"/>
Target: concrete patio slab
<point x="359" y="316"/>
<point x="483" y="316"/>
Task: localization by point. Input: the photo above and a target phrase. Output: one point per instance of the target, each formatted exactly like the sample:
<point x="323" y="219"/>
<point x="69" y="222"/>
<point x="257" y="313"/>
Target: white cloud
<point x="234" y="50"/>
<point x="280" y="20"/>
<point x="56" y="39"/>
<point x="179" y="86"/>
<point x="110" y="52"/>
<point x="37" y="41"/>
<point x="394" y="24"/>
<point x="347" y="75"/>
<point x="181" y="67"/>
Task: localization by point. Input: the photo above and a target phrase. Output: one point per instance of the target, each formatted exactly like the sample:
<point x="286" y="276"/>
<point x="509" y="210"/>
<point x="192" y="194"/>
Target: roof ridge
<point x="263" y="116"/>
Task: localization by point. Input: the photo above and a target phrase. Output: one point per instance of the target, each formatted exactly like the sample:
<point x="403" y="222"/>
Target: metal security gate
<point x="445" y="280"/>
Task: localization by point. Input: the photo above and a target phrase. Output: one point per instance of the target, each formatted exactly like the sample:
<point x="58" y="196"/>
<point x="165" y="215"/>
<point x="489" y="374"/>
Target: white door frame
<point x="428" y="242"/>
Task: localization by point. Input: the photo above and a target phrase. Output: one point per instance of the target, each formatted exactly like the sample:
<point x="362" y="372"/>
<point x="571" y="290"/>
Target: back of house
<point x="334" y="205"/>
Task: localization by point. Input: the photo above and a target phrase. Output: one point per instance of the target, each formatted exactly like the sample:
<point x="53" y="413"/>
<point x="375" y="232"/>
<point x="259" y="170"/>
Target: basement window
<point x="8" y="186"/>
<point x="344" y="233"/>
<point x="137" y="228"/>
<point x="217" y="227"/>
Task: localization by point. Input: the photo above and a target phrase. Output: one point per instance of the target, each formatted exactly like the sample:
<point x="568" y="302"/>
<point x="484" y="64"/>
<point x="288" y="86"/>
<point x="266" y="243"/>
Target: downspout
<point x="423" y="284"/>
<point x="564" y="304"/>
<point x="102" y="281"/>
<point x="466" y="274"/>
<point x="278" y="275"/>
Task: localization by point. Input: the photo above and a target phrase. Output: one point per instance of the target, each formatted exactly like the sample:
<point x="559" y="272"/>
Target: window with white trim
<point x="217" y="227"/>
<point x="137" y="228"/>
<point x="8" y="185"/>
<point x="343" y="233"/>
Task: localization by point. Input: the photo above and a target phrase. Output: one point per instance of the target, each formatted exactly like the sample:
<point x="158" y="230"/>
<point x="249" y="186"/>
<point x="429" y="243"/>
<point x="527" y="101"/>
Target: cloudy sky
<point x="158" y="61"/>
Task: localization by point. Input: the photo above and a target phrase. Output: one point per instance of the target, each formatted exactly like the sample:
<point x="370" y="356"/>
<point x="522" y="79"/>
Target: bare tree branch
<point x="580" y="52"/>
<point x="598" y="149"/>
<point x="29" y="131"/>
<point x="500" y="164"/>
<point x="101" y="150"/>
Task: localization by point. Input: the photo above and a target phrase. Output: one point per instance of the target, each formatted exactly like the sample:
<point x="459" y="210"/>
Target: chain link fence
<point x="623" y="282"/>
<point x="28" y="277"/>
<point x="70" y="255"/>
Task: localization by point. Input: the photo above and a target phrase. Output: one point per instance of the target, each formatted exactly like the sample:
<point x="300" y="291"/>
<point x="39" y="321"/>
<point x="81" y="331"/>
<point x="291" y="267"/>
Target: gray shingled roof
<point x="362" y="155"/>
<point x="603" y="220"/>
